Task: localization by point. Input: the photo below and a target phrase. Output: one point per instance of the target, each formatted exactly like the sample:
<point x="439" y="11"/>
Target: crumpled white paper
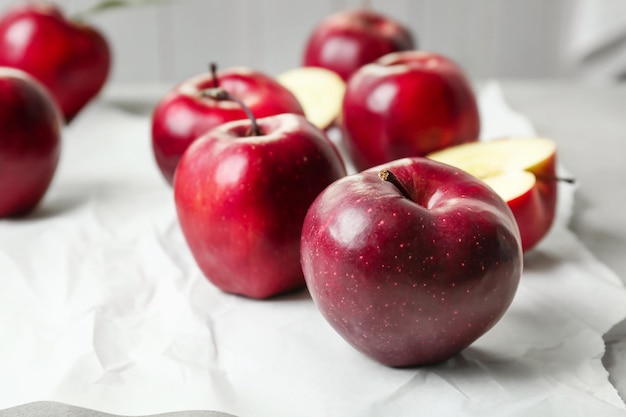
<point x="102" y="306"/>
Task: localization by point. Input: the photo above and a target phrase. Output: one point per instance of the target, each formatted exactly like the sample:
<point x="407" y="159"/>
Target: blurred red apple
<point x="242" y="191"/>
<point x="72" y="59"/>
<point x="199" y="104"/>
<point x="412" y="261"/>
<point x="347" y="40"/>
<point x="407" y="104"/>
<point x="30" y="141"/>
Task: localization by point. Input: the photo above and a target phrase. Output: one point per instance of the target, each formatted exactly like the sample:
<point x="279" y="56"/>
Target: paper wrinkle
<point x="104" y="307"/>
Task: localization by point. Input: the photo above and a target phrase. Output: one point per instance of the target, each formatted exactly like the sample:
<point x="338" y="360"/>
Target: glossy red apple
<point x="522" y="171"/>
<point x="411" y="261"/>
<point x="198" y="105"/>
<point x="72" y="59"/>
<point x="407" y="104"/>
<point x="241" y="196"/>
<point x="347" y="40"/>
<point x="30" y="141"/>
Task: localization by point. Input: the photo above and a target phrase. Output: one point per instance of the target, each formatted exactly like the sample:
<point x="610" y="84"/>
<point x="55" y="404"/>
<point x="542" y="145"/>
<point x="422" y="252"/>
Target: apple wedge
<point x="319" y="91"/>
<point x="521" y="170"/>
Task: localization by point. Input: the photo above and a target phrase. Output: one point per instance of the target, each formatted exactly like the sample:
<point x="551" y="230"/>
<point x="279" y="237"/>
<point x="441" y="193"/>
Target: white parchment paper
<point x="102" y="306"/>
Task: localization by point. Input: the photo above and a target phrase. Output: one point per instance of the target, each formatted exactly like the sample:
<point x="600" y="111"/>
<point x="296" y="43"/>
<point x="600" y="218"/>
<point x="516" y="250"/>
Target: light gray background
<point x="175" y="39"/>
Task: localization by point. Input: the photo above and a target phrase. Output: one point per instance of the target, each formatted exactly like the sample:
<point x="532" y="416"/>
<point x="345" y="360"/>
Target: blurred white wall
<point x="170" y="41"/>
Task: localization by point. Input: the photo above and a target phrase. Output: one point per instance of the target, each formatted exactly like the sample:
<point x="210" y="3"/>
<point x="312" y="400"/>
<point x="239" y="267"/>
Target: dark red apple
<point x="407" y="104"/>
<point x="241" y="196"/>
<point x="198" y="105"/>
<point x="30" y="141"/>
<point x="347" y="40"/>
<point x="72" y="59"/>
<point x="411" y="261"/>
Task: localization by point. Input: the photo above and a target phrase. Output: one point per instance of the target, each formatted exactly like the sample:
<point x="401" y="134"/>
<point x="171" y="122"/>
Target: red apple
<point x="411" y="261"/>
<point x="241" y="196"/>
<point x="198" y="105"/>
<point x="347" y="40"/>
<point x="70" y="58"/>
<point x="30" y="141"/>
<point x="522" y="171"/>
<point x="407" y="104"/>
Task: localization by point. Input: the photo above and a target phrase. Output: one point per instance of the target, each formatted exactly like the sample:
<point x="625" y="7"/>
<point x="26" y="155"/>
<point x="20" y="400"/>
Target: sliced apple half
<point x="320" y="92"/>
<point x="521" y="170"/>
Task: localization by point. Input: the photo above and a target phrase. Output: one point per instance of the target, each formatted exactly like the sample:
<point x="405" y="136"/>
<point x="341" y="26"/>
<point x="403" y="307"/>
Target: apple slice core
<point x="319" y="91"/>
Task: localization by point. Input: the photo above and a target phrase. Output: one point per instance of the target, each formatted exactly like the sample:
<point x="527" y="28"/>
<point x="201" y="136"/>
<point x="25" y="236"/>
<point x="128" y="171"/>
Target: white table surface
<point x="588" y="124"/>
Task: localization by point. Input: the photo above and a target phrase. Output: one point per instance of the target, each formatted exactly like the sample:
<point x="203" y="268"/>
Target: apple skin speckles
<point x="414" y="281"/>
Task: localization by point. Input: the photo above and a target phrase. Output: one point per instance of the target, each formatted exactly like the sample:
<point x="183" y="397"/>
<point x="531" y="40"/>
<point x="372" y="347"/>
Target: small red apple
<point x="407" y="104"/>
<point x="198" y="104"/>
<point x="30" y="141"/>
<point x="347" y="40"/>
<point x="242" y="191"/>
<point x="411" y="261"/>
<point x="522" y="171"/>
<point x="70" y="58"/>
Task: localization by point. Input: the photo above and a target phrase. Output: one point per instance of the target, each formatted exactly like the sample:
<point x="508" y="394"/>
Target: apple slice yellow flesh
<point x="319" y="91"/>
<point x="521" y="170"/>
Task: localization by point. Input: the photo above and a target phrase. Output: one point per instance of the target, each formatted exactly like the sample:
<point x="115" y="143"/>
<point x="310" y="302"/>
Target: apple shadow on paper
<point x="51" y="408"/>
<point x="537" y="261"/>
<point x="301" y="294"/>
<point x="53" y="207"/>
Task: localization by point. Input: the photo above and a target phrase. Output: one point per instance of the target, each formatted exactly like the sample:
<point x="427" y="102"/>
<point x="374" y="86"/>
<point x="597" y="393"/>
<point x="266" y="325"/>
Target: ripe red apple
<point x="522" y="171"/>
<point x="30" y="141"/>
<point x="347" y="40"/>
<point x="197" y="105"/>
<point x="241" y="195"/>
<point x="411" y="261"/>
<point x="70" y="58"/>
<point x="407" y="104"/>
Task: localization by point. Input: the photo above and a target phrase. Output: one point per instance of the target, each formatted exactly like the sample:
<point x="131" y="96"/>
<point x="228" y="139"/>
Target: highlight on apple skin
<point x="241" y="198"/>
<point x="30" y="141"/>
<point x="407" y="104"/>
<point x="411" y="261"/>
<point x="522" y="171"/>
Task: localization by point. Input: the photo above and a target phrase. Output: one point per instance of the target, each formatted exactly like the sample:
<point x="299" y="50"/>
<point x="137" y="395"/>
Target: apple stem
<point x="213" y="69"/>
<point x="550" y="178"/>
<point x="389" y="176"/>
<point x="218" y="93"/>
<point x="255" y="130"/>
<point x="367" y="4"/>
